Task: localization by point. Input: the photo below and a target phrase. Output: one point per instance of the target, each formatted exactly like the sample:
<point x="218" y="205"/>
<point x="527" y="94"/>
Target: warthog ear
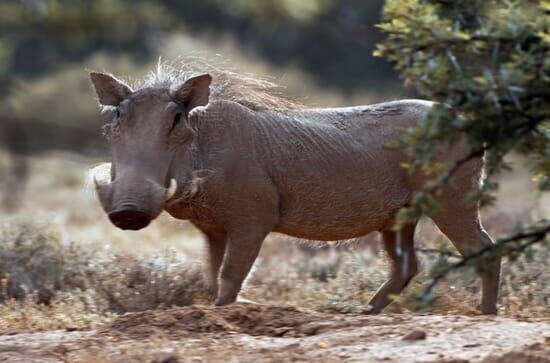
<point x="110" y="90"/>
<point x="194" y="92"/>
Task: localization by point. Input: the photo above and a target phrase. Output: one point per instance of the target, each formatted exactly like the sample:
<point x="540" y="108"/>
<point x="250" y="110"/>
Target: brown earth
<point x="253" y="333"/>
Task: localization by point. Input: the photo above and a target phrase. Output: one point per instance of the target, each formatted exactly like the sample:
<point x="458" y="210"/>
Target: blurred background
<point x="320" y="51"/>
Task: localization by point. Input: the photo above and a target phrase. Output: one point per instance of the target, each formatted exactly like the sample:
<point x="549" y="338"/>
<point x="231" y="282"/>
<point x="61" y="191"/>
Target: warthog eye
<point x="177" y="118"/>
<point x="117" y="116"/>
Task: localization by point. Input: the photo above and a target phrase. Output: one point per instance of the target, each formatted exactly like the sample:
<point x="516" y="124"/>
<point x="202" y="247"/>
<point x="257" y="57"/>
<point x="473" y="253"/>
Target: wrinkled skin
<point x="321" y="174"/>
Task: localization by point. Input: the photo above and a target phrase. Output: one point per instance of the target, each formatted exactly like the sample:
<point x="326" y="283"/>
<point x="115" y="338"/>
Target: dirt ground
<point x="252" y="333"/>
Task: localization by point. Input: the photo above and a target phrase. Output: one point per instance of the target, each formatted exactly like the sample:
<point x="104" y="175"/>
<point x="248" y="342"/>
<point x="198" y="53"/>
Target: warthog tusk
<point x="100" y="175"/>
<point x="172" y="189"/>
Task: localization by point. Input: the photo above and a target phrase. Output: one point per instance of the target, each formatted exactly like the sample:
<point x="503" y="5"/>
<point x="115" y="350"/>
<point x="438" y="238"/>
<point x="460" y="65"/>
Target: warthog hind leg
<point x="463" y="227"/>
<point x="400" y="248"/>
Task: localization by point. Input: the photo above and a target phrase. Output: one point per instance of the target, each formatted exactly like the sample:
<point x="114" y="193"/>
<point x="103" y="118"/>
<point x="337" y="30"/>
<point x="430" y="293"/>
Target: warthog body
<point x="238" y="171"/>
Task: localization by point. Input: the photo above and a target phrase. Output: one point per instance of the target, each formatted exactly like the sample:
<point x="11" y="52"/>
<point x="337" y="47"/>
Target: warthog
<point x="239" y="162"/>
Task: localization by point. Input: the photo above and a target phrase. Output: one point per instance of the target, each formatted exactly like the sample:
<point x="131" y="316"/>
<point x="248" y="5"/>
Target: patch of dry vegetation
<point x="343" y="281"/>
<point x="48" y="285"/>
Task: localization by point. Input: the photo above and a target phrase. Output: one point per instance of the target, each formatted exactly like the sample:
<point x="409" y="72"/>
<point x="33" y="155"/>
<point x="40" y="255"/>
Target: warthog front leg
<point x="241" y="252"/>
<point x="216" y="242"/>
<point x="400" y="248"/>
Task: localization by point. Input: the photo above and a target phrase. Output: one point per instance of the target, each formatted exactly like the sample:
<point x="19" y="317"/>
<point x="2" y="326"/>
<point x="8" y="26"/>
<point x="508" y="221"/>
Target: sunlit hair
<point x="253" y="92"/>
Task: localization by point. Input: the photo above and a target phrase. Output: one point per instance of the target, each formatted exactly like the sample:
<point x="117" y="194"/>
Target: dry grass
<point x="343" y="281"/>
<point x="47" y="285"/>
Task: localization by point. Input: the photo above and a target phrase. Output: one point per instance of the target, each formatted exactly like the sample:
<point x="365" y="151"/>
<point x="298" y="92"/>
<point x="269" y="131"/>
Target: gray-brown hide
<point x="321" y="174"/>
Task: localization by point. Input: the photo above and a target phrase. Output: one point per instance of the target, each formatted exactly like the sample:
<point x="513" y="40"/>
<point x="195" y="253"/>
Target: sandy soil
<point x="251" y="333"/>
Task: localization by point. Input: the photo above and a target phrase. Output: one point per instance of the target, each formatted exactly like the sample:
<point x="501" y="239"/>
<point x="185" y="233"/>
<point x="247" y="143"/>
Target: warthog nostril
<point x="130" y="219"/>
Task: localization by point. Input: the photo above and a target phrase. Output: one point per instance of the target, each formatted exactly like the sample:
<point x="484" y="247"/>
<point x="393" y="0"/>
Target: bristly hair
<point x="252" y="92"/>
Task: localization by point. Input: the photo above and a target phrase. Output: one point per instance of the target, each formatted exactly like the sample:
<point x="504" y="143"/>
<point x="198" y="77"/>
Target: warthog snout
<point x="133" y="202"/>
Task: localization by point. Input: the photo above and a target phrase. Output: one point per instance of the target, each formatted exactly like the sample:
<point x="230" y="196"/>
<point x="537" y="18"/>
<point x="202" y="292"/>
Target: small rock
<point x="416" y="334"/>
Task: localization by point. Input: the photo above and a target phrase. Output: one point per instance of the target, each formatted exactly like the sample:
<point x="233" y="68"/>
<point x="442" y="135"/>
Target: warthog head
<point x="149" y="137"/>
